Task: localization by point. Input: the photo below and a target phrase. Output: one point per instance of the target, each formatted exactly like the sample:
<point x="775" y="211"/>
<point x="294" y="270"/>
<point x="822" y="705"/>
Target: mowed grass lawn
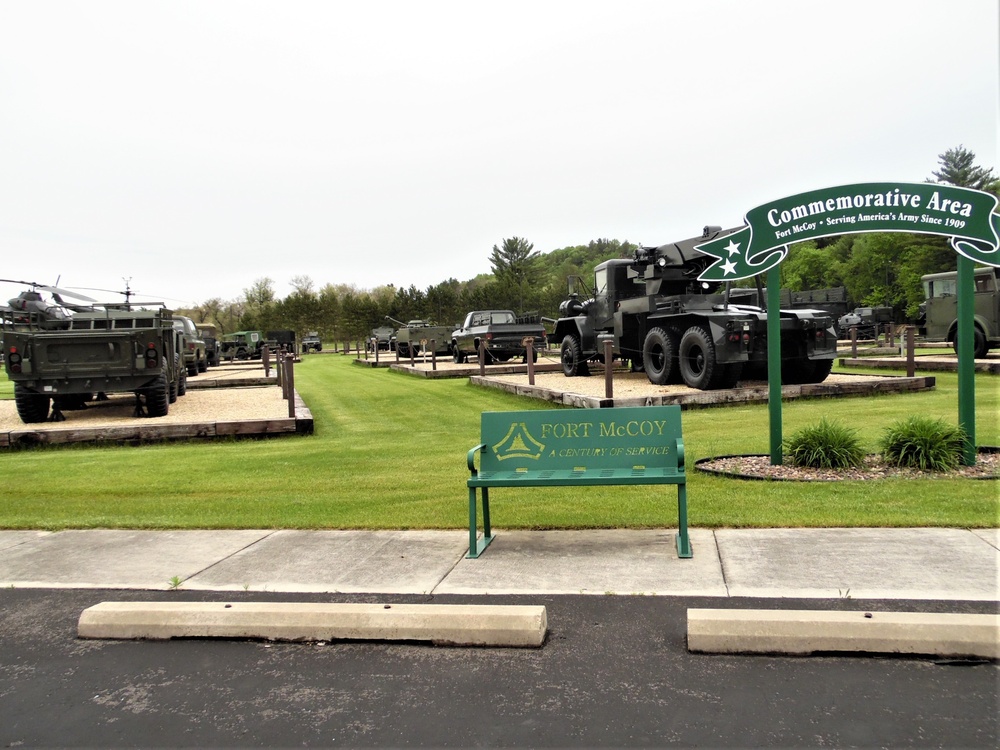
<point x="389" y="453"/>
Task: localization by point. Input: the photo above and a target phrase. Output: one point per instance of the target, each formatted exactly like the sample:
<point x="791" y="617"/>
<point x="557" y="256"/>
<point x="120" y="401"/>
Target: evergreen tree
<point x="958" y="167"/>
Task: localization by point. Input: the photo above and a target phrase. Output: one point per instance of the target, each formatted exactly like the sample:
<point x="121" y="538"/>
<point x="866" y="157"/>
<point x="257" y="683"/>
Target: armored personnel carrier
<point x="663" y="320"/>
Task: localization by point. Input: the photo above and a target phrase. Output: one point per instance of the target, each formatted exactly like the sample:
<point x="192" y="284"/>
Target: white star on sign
<point x="728" y="267"/>
<point x="733" y="248"/>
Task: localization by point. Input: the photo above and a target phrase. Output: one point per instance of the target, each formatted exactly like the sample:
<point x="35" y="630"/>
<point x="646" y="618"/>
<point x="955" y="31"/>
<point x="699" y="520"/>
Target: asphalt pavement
<point x="614" y="670"/>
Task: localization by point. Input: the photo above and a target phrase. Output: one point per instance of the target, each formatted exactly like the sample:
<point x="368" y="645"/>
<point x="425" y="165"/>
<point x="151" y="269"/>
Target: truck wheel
<point x="182" y="384"/>
<point x="660" y="357"/>
<point x="456" y="355"/>
<point x="698" y="364"/>
<point x="979" y="346"/>
<point x="571" y="355"/>
<point x="202" y="365"/>
<point x="158" y="397"/>
<point x="31" y="406"/>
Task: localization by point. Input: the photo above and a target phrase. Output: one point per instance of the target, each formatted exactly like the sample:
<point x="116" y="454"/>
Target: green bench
<point x="575" y="448"/>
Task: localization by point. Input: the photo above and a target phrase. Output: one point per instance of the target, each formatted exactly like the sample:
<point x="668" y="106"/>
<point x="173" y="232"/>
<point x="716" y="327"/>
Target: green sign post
<point x="968" y="217"/>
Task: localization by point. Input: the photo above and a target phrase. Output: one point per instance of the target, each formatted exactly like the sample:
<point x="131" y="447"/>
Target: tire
<point x="698" y="365"/>
<point x="820" y="370"/>
<point x="182" y="385"/>
<point x="571" y="356"/>
<point x="172" y="392"/>
<point x="660" y="357"/>
<point x="202" y="365"/>
<point x="157" y="397"/>
<point x="456" y="355"/>
<point x="31" y="407"/>
<point x="801" y="370"/>
<point x="980" y="349"/>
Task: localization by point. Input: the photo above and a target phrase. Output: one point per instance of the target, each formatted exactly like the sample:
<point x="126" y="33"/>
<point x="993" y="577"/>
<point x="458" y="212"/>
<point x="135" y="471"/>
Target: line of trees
<point x="876" y="269"/>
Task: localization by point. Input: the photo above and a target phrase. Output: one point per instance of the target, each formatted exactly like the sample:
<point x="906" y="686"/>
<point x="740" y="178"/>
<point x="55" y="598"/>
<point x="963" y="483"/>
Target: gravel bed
<point x="759" y="467"/>
<point x="202" y="405"/>
<point x="634" y="384"/>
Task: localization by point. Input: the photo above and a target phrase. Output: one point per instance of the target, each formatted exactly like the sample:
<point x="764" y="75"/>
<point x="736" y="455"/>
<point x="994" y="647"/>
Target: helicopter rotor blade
<point x="46" y="288"/>
<point x="67" y="293"/>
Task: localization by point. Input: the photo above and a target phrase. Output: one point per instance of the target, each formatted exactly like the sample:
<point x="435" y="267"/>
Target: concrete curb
<point x="453" y="624"/>
<point x="809" y="631"/>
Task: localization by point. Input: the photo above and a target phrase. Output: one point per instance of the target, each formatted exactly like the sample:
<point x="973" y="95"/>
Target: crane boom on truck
<point x="676" y="328"/>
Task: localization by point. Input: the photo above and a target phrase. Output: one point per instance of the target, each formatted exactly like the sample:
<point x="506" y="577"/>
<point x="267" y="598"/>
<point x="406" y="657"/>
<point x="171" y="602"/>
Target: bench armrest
<point x="472" y="457"/>
<point x="680" y="454"/>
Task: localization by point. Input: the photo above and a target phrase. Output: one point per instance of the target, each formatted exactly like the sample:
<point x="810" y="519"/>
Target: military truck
<point x="380" y="338"/>
<point x="242" y="345"/>
<point x="192" y="345"/>
<point x="311" y="342"/>
<point x="938" y="320"/>
<point x="410" y="334"/>
<point x="283" y="340"/>
<point x="666" y="322"/>
<point x="503" y="334"/>
<point x="65" y="358"/>
<point x="867" y="320"/>
<point x="210" y="334"/>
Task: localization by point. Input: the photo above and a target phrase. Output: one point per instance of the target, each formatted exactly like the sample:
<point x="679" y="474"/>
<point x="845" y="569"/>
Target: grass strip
<point x="389" y="453"/>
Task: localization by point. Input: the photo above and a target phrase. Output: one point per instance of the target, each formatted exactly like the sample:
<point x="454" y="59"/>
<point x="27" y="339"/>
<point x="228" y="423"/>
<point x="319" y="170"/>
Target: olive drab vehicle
<point x="67" y="354"/>
<point x="938" y="319"/>
<point x="665" y="321"/>
<point x="411" y="334"/>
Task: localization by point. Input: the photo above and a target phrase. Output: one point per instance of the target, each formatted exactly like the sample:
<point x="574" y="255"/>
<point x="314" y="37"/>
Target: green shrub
<point x="924" y="443"/>
<point x="827" y="445"/>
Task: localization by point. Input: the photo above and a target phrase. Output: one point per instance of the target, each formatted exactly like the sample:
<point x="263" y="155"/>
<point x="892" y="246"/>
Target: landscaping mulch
<point x="759" y="467"/>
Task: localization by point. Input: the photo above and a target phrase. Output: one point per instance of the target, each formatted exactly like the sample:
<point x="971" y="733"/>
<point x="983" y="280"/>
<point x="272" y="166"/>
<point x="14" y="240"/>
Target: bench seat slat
<point x="650" y="475"/>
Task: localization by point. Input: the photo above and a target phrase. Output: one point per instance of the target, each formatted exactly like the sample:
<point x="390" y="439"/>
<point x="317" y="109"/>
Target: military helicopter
<point x="30" y="303"/>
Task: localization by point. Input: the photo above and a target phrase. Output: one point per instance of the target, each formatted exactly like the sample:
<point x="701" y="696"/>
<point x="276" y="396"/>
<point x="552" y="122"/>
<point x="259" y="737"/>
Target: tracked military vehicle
<point x="666" y="322"/>
<point x="66" y="355"/>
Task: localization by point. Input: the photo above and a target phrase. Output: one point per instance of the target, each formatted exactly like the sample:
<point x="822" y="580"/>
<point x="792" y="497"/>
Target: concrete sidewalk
<point x="938" y="564"/>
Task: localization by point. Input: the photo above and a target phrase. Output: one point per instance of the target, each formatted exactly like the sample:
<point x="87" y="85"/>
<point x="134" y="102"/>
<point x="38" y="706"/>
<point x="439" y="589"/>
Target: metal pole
<point x="966" y="293"/>
<point x="854" y="341"/>
<point x="774" y="362"/>
<point x="265" y="355"/>
<point x="434" y="360"/>
<point x="482" y="358"/>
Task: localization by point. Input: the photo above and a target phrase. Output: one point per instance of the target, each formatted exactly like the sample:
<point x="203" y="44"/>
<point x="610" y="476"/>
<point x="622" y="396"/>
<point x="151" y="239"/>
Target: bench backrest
<point x="581" y="439"/>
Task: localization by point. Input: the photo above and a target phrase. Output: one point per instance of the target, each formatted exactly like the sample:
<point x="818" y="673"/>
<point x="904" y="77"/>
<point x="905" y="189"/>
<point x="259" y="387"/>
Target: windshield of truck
<point x="600" y="281"/>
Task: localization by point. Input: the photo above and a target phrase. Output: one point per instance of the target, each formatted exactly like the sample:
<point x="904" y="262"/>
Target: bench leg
<point x="683" y="540"/>
<point x="477" y="546"/>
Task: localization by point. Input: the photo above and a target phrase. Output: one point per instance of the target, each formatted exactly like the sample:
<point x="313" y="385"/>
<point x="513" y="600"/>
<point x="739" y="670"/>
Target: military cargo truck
<point x="65" y="358"/>
<point x="663" y="320"/>
<point x="938" y="319"/>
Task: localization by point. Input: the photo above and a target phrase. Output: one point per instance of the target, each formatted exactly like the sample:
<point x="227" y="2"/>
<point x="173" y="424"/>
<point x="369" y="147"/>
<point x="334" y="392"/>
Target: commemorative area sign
<point x="968" y="217"/>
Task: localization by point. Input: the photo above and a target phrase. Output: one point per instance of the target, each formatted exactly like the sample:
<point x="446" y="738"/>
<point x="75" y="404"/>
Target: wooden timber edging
<point x="920" y="363"/>
<point x="694" y="399"/>
<point x="149" y="431"/>
<point x="468" y="370"/>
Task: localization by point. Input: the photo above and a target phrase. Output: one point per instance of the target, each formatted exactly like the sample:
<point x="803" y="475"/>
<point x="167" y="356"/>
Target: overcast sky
<point x="194" y="147"/>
